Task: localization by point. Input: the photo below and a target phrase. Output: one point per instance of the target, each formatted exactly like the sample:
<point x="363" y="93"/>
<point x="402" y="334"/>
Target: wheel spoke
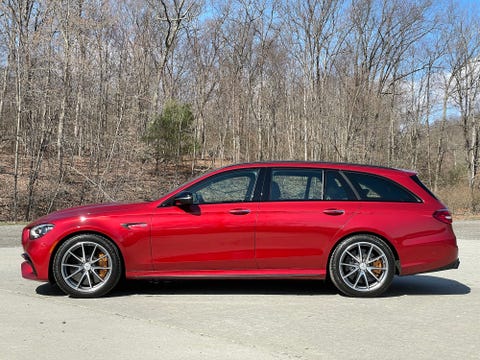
<point x="347" y="264"/>
<point x="358" y="279"/>
<point x="375" y="275"/>
<point x="368" y="255"/>
<point x="100" y="258"/>
<point x="72" y="265"/>
<point x="350" y="273"/>
<point x="80" y="281"/>
<point x="367" y="285"/>
<point x="89" y="280"/>
<point x="97" y="276"/>
<point x="93" y="253"/>
<point x="101" y="268"/>
<point x="383" y="268"/>
<point x="377" y="258"/>
<point x="84" y="258"/>
<point x="73" y="274"/>
<point x="75" y="256"/>
<point x="353" y="256"/>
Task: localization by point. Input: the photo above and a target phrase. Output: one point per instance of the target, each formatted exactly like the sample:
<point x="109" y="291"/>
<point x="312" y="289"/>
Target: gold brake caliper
<point x="102" y="262"/>
<point x="377" y="264"/>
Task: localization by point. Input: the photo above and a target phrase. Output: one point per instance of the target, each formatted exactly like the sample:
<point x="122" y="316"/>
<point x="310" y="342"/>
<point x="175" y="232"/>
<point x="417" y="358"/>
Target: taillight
<point x="443" y="215"/>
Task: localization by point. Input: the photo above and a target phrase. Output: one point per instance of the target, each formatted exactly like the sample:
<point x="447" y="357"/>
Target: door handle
<point x="334" y="212"/>
<point x="239" y="211"/>
<point x="133" y="226"/>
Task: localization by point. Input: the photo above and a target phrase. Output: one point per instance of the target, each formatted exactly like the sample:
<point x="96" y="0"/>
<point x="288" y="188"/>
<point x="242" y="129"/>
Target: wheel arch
<point x="381" y="237"/>
<point x="51" y="278"/>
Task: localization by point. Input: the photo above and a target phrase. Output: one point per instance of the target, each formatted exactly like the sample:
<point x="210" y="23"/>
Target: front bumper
<point x="28" y="270"/>
<point x="37" y="257"/>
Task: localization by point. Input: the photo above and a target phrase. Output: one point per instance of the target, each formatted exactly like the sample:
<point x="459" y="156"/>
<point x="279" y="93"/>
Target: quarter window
<point x="376" y="188"/>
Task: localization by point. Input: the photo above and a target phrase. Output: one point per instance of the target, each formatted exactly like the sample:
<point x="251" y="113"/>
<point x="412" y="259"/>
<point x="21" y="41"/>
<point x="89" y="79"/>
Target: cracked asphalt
<point x="428" y="316"/>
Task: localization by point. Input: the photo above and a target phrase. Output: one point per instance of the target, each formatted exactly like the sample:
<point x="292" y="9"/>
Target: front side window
<point x="376" y="188"/>
<point x="296" y="184"/>
<point x="234" y="186"/>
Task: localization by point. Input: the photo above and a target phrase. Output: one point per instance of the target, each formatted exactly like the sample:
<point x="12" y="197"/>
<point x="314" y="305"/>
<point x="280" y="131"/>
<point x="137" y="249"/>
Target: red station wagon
<point x="357" y="225"/>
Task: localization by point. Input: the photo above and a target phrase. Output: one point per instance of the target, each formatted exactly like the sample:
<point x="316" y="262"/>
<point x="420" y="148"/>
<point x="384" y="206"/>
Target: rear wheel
<point x="87" y="266"/>
<point x="362" y="265"/>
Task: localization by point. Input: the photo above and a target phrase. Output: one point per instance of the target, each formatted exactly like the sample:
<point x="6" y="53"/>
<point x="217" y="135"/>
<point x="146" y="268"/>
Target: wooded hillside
<point x="105" y="100"/>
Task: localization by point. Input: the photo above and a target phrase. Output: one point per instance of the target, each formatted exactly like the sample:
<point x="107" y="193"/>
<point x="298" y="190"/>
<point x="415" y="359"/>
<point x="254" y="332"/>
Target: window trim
<point x="265" y="194"/>
<point x="261" y="189"/>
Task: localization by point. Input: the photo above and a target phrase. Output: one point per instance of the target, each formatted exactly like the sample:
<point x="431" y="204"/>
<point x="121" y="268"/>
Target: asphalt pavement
<point x="428" y="316"/>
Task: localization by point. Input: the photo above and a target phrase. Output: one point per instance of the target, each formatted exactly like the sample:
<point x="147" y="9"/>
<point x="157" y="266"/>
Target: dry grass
<point x="459" y="200"/>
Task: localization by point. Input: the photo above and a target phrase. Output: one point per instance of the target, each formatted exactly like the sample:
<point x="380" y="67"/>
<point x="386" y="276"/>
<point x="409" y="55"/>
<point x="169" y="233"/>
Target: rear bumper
<point x="453" y="265"/>
<point x="449" y="266"/>
<point x="434" y="252"/>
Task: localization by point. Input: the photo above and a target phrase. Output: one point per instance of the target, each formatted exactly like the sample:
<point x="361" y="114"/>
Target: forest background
<point x="120" y="100"/>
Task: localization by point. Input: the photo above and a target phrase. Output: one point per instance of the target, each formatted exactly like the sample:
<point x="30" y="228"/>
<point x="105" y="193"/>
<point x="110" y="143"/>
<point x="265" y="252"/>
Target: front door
<point x="217" y="232"/>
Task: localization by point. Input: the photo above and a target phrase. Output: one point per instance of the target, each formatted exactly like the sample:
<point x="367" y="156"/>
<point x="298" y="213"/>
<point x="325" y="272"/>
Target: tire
<point x="362" y="266"/>
<point x="87" y="266"/>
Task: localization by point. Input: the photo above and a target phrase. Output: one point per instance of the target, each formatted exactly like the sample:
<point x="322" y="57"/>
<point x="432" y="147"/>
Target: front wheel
<point x="362" y="266"/>
<point x="87" y="266"/>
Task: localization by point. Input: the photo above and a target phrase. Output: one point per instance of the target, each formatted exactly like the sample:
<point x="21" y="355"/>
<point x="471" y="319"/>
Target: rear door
<point x="302" y="212"/>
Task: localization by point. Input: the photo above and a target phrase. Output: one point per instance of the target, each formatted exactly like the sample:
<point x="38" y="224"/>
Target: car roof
<point x="376" y="169"/>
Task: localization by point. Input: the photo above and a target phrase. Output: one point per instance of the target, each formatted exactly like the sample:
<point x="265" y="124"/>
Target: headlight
<point x="40" y="230"/>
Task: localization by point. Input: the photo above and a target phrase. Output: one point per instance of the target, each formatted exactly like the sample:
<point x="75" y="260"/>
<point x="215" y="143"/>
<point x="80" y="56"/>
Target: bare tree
<point x="370" y="81"/>
<point x="464" y="67"/>
<point x="19" y="17"/>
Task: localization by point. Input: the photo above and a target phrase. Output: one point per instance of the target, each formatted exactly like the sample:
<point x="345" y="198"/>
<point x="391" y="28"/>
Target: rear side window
<point x="336" y="187"/>
<point x="296" y="184"/>
<point x="377" y="188"/>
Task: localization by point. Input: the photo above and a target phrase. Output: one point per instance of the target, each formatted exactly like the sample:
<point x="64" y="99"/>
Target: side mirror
<point x="184" y="198"/>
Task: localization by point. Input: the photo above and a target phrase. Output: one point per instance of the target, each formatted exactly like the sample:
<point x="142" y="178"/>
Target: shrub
<point x="170" y="134"/>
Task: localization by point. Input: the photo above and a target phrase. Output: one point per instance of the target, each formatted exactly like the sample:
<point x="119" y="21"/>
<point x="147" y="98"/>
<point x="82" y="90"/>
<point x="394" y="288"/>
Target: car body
<point x="355" y="224"/>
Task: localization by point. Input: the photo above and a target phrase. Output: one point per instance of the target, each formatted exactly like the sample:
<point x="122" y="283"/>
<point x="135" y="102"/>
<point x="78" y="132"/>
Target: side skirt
<point x="316" y="274"/>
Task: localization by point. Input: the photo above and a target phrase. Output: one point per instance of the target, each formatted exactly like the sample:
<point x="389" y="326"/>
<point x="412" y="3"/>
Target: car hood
<point x="89" y="211"/>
